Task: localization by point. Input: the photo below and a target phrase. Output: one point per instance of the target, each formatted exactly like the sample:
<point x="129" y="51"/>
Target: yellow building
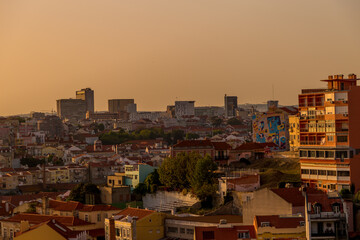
<point x="51" y="229"/>
<point x="134" y="223"/>
<point x="280" y="227"/>
<point x="14" y="224"/>
<point x="55" y="151"/>
<point x="294" y="132"/>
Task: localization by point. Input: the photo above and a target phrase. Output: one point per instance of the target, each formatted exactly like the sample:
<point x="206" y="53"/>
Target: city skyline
<point x="153" y="53"/>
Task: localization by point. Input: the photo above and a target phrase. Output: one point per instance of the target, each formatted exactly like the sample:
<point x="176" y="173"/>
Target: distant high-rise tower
<point x="231" y="105"/>
<point x="87" y="95"/>
<point x="121" y="105"/>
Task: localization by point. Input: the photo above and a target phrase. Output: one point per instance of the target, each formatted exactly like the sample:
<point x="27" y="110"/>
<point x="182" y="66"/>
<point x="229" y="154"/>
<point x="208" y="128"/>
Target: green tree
<point x="81" y="190"/>
<point x="177" y="135"/>
<point x="203" y="178"/>
<point x="192" y="136"/>
<point x="152" y="181"/>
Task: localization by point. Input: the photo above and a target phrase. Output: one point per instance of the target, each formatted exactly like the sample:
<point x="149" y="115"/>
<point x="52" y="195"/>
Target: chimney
<point x="330" y="77"/>
<point x="24" y="226"/>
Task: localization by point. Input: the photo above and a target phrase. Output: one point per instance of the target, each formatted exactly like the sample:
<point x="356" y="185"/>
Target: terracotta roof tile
<point x="280" y="221"/>
<point x="135" y="212"/>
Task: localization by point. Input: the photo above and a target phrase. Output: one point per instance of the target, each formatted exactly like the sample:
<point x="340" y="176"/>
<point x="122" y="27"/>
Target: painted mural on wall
<point x="270" y="128"/>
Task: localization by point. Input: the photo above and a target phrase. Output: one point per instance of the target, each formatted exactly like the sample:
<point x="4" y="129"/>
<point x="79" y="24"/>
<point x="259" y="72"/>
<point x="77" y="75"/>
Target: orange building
<point x="330" y="134"/>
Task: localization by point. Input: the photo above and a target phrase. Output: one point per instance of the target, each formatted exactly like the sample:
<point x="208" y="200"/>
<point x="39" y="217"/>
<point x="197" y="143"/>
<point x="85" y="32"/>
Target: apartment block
<point x="330" y="134"/>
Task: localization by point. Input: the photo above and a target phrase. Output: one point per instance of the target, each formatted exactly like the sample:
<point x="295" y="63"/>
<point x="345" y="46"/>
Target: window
<point x="329" y="154"/>
<point x="172" y="229"/>
<point x="331" y="173"/>
<point x="135" y="176"/>
<point x="11" y="234"/>
<point x="182" y="230"/>
<point x="322" y="172"/>
<point x="336" y="208"/>
<point x="303" y="153"/>
<point x="317" y="208"/>
<point x="320" y="154"/>
<point x="119" y="182"/>
<point x="190" y="231"/>
<point x="305" y="171"/>
<point x="341" y="138"/>
<point x="313" y="172"/>
<point x="343" y="173"/>
<point x="265" y="224"/>
<point x="150" y="231"/>
<point x="5" y="232"/>
<point x="302" y="223"/>
<point x="86" y="218"/>
<point x="341" y="154"/>
<point x="157" y="230"/>
<point x="99" y="217"/>
<point x="243" y="235"/>
<point x="117" y="231"/>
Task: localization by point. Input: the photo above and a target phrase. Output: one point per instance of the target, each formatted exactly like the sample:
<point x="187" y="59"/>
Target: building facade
<point x="87" y="95"/>
<point x="121" y="105"/>
<point x="329" y="134"/>
<point x="184" y="108"/>
<point x="71" y="108"/>
<point x="231" y="105"/>
<point x="294" y="132"/>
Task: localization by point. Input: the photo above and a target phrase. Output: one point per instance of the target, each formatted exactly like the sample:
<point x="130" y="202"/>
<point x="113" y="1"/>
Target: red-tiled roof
<point x="38" y="218"/>
<point x="65" y="206"/>
<point x="56" y="226"/>
<point x="291" y="195"/>
<point x="248" y="179"/>
<point x="94" y="208"/>
<point x="210" y="219"/>
<point x="202" y="144"/>
<point x="135" y="212"/>
<point x="16" y="199"/>
<point x="280" y="221"/>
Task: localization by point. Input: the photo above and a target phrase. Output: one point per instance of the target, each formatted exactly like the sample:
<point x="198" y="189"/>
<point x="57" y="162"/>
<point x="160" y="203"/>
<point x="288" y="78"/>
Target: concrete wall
<point x="262" y="202"/>
<point x="167" y="201"/>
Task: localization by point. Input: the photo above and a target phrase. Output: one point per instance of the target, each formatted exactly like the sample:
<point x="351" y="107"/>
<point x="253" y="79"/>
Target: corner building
<point x="330" y="134"/>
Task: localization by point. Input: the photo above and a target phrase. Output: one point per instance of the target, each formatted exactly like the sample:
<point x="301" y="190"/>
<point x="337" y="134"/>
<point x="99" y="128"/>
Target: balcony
<point x="328" y="215"/>
<point x="221" y="157"/>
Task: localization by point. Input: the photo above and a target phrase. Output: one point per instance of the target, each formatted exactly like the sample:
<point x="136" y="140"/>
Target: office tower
<point x="330" y="134"/>
<point x="87" y="95"/>
<point x="231" y="105"/>
<point x="121" y="105"/>
<point x="71" y="108"/>
<point x="184" y="108"/>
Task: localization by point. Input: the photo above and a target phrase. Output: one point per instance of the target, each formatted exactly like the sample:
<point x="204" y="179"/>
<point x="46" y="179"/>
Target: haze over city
<point x="161" y="51"/>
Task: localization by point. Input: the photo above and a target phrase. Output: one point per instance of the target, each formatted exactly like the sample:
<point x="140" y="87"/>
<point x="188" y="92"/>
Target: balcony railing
<point x="327" y="215"/>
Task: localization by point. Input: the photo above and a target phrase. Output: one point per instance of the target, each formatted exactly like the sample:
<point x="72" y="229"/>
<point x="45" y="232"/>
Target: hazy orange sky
<point x="157" y="51"/>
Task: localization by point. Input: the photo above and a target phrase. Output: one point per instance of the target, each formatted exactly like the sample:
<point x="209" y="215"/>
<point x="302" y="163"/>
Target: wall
<point x="262" y="202"/>
<point x="167" y="201"/>
<point x="271" y="127"/>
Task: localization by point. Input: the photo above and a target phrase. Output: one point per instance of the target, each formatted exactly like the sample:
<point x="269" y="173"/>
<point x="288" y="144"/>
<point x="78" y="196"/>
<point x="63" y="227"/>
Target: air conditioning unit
<point x="346" y="115"/>
<point x="332" y="102"/>
<point x="345" y="101"/>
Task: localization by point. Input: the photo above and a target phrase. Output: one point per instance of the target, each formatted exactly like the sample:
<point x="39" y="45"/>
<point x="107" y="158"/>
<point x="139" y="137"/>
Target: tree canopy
<point x="81" y="190"/>
<point x="189" y="171"/>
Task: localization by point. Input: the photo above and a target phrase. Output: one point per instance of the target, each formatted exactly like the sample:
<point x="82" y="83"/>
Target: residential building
<point x="294" y="132"/>
<point x="121" y="105"/>
<point x="280" y="227"/>
<point x="218" y="151"/>
<point x="330" y="134"/>
<point x="209" y="111"/>
<point x="50" y="229"/>
<point x="271" y="127"/>
<point x="185" y="227"/>
<point x="327" y="216"/>
<point x="184" y="108"/>
<point x="134" y="223"/>
<point x="12" y="225"/>
<point x="115" y="190"/>
<point x="231" y="104"/>
<point x="245" y="183"/>
<point x="71" y="109"/>
<point x="226" y="231"/>
<point x="87" y="95"/>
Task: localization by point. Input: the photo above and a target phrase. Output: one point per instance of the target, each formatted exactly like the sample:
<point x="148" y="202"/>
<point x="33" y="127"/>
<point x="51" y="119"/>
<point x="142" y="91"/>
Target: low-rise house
<point x="218" y="151"/>
<point x="134" y="223"/>
<point x="51" y="229"/>
<point x="184" y="227"/>
<point x="12" y="225"/>
<point x="226" y="231"/>
<point x="280" y="227"/>
<point x="246" y="183"/>
<point x="327" y="216"/>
